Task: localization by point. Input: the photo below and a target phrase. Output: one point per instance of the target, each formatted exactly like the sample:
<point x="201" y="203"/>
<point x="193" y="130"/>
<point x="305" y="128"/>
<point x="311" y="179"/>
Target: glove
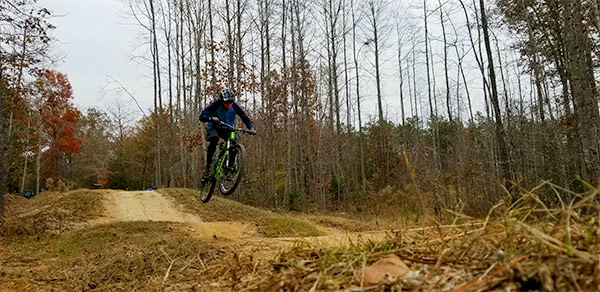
<point x="252" y="132"/>
<point x="214" y="120"/>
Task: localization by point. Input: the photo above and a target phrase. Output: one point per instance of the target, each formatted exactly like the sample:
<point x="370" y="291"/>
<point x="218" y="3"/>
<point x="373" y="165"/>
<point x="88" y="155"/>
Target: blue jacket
<point x="217" y="109"/>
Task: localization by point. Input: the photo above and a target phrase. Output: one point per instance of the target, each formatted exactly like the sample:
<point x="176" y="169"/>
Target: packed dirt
<point x="143" y="206"/>
<point x="152" y="206"/>
<point x="126" y="206"/>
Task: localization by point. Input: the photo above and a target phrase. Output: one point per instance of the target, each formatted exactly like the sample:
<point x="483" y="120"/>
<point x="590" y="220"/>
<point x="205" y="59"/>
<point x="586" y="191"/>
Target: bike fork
<point x="226" y="156"/>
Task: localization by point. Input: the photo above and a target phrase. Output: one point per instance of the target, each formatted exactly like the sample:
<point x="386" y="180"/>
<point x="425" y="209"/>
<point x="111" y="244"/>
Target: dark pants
<point x="212" y="137"/>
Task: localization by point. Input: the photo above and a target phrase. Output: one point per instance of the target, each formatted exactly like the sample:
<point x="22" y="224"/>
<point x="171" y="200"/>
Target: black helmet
<point x="227" y="95"/>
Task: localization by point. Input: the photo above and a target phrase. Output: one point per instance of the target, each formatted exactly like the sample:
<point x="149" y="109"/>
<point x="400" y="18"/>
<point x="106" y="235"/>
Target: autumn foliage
<point x="42" y="139"/>
<point x="57" y="118"/>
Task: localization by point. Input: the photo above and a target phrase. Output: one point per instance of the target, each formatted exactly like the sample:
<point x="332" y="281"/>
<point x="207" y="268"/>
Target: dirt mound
<point x="153" y="206"/>
<point x="268" y="224"/>
<point x="164" y="240"/>
<point x="50" y="211"/>
<point x="143" y="206"/>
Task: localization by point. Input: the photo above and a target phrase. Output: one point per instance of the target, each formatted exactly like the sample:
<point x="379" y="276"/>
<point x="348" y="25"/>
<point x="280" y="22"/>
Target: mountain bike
<point x="228" y="168"/>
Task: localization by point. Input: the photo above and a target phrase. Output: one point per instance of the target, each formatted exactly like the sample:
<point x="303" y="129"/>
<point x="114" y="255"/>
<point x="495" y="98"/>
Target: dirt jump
<point x="167" y="240"/>
<point x="152" y="206"/>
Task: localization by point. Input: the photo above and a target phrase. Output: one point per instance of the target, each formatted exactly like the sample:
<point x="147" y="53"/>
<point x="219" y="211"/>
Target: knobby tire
<point x="241" y="157"/>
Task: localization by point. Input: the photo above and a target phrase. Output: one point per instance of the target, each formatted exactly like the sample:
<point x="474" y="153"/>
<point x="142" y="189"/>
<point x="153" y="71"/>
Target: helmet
<point x="227" y="95"/>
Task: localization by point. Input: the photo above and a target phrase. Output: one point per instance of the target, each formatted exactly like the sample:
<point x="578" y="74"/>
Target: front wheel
<point x="232" y="176"/>
<point x="207" y="187"/>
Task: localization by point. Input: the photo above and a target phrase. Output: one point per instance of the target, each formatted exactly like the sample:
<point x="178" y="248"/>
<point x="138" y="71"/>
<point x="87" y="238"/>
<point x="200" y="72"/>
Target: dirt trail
<point x="144" y="206"/>
<point x="152" y="206"/>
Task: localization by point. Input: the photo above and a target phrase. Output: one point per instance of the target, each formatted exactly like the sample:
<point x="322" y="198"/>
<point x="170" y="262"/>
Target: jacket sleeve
<point x="240" y="112"/>
<point x="208" y="111"/>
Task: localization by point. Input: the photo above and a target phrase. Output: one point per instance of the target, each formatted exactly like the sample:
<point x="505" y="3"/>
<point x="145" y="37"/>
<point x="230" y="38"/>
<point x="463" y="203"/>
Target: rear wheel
<point x="230" y="178"/>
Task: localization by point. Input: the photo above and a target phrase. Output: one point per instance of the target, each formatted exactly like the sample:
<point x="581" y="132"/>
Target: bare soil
<point x="143" y="206"/>
<point x="153" y="206"/>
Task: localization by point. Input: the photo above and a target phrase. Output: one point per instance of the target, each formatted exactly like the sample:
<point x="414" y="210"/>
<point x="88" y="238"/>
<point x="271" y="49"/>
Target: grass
<point x="49" y="211"/>
<point x="522" y="244"/>
<point x="284" y="226"/>
<point x="387" y="209"/>
<point x="120" y="256"/>
<point x="268" y="223"/>
<point x="341" y="223"/>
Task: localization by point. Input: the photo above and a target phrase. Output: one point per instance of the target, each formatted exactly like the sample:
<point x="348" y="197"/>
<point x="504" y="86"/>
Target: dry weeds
<point x="522" y="244"/>
<point x="268" y="223"/>
<point x="120" y="256"/>
<point x="49" y="211"/>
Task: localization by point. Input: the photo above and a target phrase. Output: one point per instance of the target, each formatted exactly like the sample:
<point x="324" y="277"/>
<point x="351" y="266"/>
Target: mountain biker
<point x="224" y="110"/>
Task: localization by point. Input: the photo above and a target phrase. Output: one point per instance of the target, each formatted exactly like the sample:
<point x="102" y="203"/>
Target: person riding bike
<point x="223" y="110"/>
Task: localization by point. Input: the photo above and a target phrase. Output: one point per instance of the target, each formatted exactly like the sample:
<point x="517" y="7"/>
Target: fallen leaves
<point x="389" y="268"/>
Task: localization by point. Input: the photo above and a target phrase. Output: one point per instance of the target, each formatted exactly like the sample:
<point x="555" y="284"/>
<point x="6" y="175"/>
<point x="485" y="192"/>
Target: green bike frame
<point x="223" y="155"/>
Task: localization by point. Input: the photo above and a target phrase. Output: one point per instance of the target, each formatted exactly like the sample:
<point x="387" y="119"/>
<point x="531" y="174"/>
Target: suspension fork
<point x="228" y="144"/>
<point x="226" y="156"/>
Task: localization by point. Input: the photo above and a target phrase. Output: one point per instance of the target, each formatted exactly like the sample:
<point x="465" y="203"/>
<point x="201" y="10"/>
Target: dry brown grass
<point x="120" y="256"/>
<point x="341" y="223"/>
<point x="268" y="223"/>
<point x="394" y="208"/>
<point x="521" y="245"/>
<point x="49" y="211"/>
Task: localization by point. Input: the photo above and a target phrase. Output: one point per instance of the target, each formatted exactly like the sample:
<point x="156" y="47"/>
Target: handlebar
<point x="229" y="127"/>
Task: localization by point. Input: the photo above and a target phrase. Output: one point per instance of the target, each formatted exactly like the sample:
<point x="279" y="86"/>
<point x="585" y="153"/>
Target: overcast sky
<point x="95" y="44"/>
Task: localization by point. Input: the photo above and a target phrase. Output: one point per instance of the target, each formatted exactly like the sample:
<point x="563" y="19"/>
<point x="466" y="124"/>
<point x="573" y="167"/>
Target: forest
<point x="434" y="104"/>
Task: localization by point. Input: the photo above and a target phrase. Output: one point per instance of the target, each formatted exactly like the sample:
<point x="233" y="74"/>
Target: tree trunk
<point x="537" y="71"/>
<point x="230" y="46"/>
<point x="448" y="103"/>
<point x="377" y="74"/>
<point x="157" y="98"/>
<point x="22" y="189"/>
<point x="401" y="75"/>
<point x="478" y="57"/>
<point x="38" y="159"/>
<point x="2" y="176"/>
<point x="431" y="112"/>
<point x="500" y="134"/>
<point x="347" y="83"/>
<point x="580" y="69"/>
<point x="360" y="132"/>
<point x="212" y="47"/>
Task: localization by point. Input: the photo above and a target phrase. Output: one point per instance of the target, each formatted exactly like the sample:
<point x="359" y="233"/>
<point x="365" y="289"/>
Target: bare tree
<point x="377" y="24"/>
<point x="583" y="87"/>
<point x="500" y="133"/>
<point x="357" y="77"/>
<point x="447" y="79"/>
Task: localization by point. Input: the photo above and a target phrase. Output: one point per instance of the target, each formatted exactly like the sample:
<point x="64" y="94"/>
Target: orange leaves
<point x="68" y="145"/>
<point x="57" y="115"/>
<point x="54" y="88"/>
